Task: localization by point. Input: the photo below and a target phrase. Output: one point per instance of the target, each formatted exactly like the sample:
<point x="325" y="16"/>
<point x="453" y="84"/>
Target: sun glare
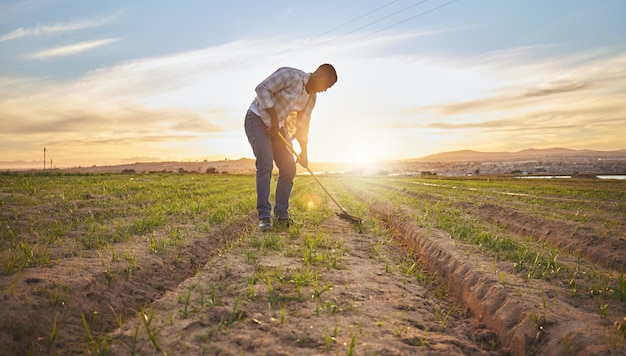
<point x="359" y="149"/>
<point x="311" y="201"/>
<point x="359" y="156"/>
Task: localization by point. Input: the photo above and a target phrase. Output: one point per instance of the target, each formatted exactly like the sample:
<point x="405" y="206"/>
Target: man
<point x="285" y="92"/>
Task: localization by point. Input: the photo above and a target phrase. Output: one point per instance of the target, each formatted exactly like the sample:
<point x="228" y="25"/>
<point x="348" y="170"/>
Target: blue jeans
<point x="268" y="149"/>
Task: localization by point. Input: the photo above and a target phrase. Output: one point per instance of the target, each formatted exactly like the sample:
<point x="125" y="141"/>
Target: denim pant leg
<point x="261" y="143"/>
<point x="286" y="173"/>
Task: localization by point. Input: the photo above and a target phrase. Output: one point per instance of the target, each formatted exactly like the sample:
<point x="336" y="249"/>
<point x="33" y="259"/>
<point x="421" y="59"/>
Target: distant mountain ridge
<point x="527" y="154"/>
<point x="246" y="165"/>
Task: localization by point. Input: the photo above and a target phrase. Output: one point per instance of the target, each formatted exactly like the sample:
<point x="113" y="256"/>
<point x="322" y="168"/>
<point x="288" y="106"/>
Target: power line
<point x="345" y="24"/>
<point x="370" y="23"/>
<point x="408" y="19"/>
<point x="356" y="18"/>
<point x="366" y="25"/>
<point x="386" y="17"/>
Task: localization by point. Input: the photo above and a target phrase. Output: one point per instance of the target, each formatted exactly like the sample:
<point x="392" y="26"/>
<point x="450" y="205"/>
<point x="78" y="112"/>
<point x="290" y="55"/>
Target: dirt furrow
<point x="43" y="307"/>
<point x="523" y="320"/>
<point x="585" y="241"/>
<point x="362" y="296"/>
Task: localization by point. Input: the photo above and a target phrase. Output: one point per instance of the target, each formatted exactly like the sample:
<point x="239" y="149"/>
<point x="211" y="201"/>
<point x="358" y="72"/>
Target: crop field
<point x="175" y="264"/>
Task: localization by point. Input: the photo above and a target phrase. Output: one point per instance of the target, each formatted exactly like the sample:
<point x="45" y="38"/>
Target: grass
<point x="451" y="206"/>
<point x="53" y="333"/>
<point x="100" y="210"/>
<point x="438" y="205"/>
<point x="48" y="220"/>
<point x="119" y="218"/>
<point x="185" y="300"/>
<point x="147" y="317"/>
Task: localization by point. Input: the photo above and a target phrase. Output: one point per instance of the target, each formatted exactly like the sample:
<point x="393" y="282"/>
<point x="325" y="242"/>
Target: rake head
<point x="344" y="215"/>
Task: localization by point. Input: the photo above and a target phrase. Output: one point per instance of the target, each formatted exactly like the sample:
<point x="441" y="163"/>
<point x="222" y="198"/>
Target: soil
<point x="389" y="287"/>
<point x="537" y="316"/>
<point x="369" y="302"/>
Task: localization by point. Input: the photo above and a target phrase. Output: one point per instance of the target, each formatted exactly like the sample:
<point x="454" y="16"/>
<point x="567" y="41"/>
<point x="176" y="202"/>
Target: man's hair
<point x="330" y="70"/>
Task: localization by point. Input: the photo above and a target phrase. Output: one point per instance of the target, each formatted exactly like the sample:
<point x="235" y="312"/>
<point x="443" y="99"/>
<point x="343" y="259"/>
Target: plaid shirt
<point x="284" y="91"/>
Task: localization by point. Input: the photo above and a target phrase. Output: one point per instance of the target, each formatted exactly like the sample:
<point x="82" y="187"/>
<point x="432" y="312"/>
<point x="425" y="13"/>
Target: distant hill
<point x="528" y="154"/>
<point x="431" y="162"/>
<point x="238" y="166"/>
<point x="20" y="164"/>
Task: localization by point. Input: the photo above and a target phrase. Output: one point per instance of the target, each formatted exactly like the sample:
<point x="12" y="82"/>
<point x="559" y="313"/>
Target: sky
<point x="109" y="82"/>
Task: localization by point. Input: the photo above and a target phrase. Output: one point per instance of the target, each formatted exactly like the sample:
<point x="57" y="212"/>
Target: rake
<point x="344" y="213"/>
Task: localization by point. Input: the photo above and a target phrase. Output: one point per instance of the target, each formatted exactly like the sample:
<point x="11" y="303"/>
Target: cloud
<point x="72" y="119"/>
<point x="192" y="103"/>
<point x="57" y="28"/>
<point x="504" y="101"/>
<point x="180" y="105"/>
<point x="556" y="88"/>
<point x="9" y="9"/>
<point x="72" y="49"/>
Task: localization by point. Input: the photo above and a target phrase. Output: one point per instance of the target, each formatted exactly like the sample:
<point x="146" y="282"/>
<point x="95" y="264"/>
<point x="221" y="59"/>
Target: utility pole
<point x="44" y="158"/>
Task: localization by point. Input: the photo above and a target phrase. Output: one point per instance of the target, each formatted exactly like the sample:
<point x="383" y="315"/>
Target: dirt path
<point x="326" y="290"/>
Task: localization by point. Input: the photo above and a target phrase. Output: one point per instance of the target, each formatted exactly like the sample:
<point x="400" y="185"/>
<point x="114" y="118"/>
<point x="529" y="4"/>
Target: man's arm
<point x="303" y="156"/>
<point x="273" y="129"/>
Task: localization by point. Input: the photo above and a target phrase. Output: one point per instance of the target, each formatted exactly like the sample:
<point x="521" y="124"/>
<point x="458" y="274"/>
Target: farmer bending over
<point x="288" y="92"/>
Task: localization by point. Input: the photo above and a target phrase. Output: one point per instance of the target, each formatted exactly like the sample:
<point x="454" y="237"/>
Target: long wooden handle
<point x="293" y="151"/>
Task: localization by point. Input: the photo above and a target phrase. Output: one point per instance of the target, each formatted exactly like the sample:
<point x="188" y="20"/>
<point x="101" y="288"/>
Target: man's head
<point x="323" y="78"/>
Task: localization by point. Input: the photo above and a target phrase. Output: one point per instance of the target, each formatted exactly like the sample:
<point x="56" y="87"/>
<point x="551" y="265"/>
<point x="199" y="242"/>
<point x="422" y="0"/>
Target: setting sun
<point x="353" y="148"/>
<point x="360" y="146"/>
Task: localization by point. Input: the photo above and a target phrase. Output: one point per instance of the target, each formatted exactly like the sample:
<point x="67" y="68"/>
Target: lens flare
<point x="311" y="201"/>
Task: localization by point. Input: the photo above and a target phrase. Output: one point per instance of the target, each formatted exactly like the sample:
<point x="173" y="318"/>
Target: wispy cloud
<point x="553" y="83"/>
<point x="192" y="103"/>
<point x="57" y="28"/>
<point x="556" y="88"/>
<point x="509" y="100"/>
<point x="9" y="9"/>
<point x="72" y="49"/>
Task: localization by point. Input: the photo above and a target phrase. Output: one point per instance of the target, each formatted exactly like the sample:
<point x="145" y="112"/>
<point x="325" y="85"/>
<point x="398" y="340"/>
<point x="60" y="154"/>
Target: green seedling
<point x="109" y="275"/>
<point x="352" y="344"/>
<point x="118" y="318"/>
<point x="99" y="345"/>
<point x="271" y="292"/>
<point x="304" y="275"/>
<point x="250" y="256"/>
<point x="53" y="334"/>
<point x="328" y="340"/>
<point x="273" y="241"/>
<point x="621" y="328"/>
<point x="213" y="296"/>
<point x="318" y="292"/>
<point x="235" y="314"/>
<point x="602" y="307"/>
<point x="621" y="288"/>
<point x="185" y="301"/>
<point x="147" y="319"/>
<point x="282" y="314"/>
<point x="566" y="343"/>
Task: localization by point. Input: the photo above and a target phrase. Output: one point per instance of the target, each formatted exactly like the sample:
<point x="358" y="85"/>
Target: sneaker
<point x="287" y="222"/>
<point x="265" y="224"/>
<point x="284" y="222"/>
